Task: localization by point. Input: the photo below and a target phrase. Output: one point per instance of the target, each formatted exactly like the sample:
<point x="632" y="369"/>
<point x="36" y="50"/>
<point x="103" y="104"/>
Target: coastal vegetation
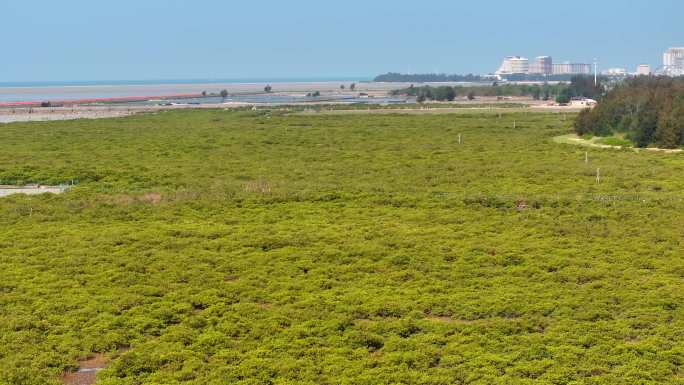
<point x="404" y="107"/>
<point x="648" y="111"/>
<point x="393" y="77"/>
<point x="271" y="247"/>
<point x="449" y="93"/>
<point x="579" y="86"/>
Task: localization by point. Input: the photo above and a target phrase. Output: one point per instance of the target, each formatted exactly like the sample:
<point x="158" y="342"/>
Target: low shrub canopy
<point x="219" y="247"/>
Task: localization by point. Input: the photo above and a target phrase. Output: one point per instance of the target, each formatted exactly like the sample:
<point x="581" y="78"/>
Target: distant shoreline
<point x="112" y="83"/>
<point x="15" y="96"/>
<point x="87" y="92"/>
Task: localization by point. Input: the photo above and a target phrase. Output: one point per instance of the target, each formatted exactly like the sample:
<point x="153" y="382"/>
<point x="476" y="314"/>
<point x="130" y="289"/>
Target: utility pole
<point x="595" y="72"/>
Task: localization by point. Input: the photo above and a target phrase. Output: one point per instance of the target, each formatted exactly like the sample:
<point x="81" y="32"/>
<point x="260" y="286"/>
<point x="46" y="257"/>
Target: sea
<point x="239" y="89"/>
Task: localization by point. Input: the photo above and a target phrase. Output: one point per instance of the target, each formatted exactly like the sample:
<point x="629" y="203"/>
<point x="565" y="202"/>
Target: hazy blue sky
<point x="183" y="39"/>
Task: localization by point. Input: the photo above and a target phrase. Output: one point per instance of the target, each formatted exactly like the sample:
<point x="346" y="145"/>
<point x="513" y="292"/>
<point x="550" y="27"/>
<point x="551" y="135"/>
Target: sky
<point x="80" y="40"/>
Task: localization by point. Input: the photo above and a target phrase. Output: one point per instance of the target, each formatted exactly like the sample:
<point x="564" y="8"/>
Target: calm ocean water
<point x="178" y="81"/>
<point x="74" y="90"/>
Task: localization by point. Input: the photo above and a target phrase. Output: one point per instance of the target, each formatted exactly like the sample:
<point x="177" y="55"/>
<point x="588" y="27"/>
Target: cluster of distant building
<point x="673" y="65"/>
<point x="642" y="70"/>
<point x="673" y="61"/>
<point x="543" y="66"/>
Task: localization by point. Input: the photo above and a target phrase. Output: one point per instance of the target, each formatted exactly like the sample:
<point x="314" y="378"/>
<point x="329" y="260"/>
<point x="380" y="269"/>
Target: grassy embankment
<point x="213" y="247"/>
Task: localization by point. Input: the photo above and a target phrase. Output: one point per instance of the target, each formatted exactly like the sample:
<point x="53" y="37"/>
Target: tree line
<point x="647" y="110"/>
<point x="578" y="87"/>
<point x="393" y="77"/>
<point x="448" y="93"/>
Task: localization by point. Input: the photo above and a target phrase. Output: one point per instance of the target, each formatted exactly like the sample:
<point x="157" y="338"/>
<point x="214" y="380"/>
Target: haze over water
<point x="54" y="91"/>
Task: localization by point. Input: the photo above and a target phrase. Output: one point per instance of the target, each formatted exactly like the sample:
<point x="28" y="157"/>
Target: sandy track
<point x="576" y="140"/>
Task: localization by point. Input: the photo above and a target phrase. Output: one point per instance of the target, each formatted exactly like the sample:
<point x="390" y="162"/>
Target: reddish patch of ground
<point x="87" y="372"/>
<point x="80" y="378"/>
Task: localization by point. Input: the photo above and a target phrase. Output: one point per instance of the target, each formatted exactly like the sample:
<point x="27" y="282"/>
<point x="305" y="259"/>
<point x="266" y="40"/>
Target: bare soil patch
<point x="593" y="142"/>
<point x="87" y="372"/>
<point x="451" y="320"/>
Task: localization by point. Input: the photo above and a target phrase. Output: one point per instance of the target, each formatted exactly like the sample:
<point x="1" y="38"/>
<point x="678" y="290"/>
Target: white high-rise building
<point x="514" y="65"/>
<point x="643" y="70"/>
<point x="543" y="65"/>
<point x="568" y="68"/>
<point x="673" y="61"/>
<point x="615" y="72"/>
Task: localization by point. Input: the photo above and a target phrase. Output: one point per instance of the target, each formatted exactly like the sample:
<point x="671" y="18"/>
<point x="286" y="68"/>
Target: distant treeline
<point x="394" y="77"/>
<point x="579" y="86"/>
<point x="537" y="78"/>
<point x="647" y="110"/>
<point x="447" y="93"/>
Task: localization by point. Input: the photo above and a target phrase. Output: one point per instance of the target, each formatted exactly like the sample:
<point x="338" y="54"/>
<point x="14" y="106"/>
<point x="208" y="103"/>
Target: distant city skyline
<point x="672" y="64"/>
<point x="210" y="39"/>
<point x="542" y="65"/>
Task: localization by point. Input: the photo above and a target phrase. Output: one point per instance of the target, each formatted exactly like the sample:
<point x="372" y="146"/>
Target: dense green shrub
<point x="649" y="110"/>
<point x="219" y="247"/>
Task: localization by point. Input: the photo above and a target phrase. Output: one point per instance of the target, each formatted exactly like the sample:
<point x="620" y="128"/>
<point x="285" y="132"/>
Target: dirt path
<point x="87" y="372"/>
<point x="593" y="142"/>
<point x="438" y="110"/>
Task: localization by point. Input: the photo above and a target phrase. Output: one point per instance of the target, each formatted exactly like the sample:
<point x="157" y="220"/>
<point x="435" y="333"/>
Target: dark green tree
<point x="670" y="126"/>
<point x="584" y="122"/>
<point x="645" y="125"/>
<point x="536" y="93"/>
<point x="443" y="93"/>
<point x="563" y="99"/>
<point x="584" y="86"/>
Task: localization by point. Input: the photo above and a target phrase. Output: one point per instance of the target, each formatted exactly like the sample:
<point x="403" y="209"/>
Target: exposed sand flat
<point x="556" y="108"/>
<point x="593" y="142"/>
<point x="30" y="114"/>
<point x="104" y="91"/>
<point x="53" y="93"/>
<point x="49" y="114"/>
<point x="30" y="190"/>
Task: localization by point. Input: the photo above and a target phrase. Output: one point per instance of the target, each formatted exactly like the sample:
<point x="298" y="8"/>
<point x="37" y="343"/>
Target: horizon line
<point x="261" y="79"/>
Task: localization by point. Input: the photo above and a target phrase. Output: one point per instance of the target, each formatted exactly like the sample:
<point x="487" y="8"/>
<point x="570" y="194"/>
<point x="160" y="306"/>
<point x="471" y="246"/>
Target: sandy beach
<point x="13" y="109"/>
<point x="39" y="114"/>
<point x="49" y="114"/>
<point x="63" y="93"/>
<point x="159" y="97"/>
<point x="31" y="114"/>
